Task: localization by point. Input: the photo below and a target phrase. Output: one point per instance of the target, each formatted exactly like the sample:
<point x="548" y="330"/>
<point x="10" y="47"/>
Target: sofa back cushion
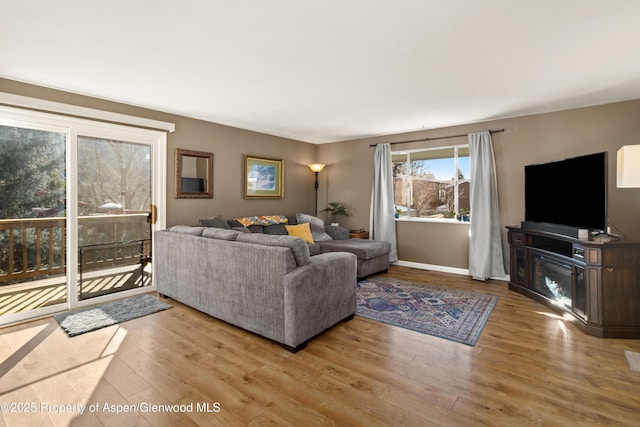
<point x="187" y="229"/>
<point x="299" y="248"/>
<point x="220" y="234"/>
<point x="316" y="224"/>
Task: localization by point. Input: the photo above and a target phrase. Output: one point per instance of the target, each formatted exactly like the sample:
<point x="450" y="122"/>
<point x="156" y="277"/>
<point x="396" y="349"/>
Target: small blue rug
<point x="90" y="319"/>
<point x="442" y="312"/>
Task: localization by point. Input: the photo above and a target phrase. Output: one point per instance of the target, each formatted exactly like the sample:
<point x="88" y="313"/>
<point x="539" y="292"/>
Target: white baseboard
<point x="441" y="268"/>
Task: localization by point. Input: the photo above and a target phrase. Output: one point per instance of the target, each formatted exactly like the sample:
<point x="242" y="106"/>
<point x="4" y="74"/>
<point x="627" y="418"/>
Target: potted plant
<point x="398" y="212"/>
<point x="335" y="209"/>
<point x="465" y="215"/>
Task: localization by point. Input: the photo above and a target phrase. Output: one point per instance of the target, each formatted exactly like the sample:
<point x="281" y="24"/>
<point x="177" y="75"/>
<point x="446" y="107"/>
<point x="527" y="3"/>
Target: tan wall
<point x="228" y="145"/>
<point x="349" y="172"/>
<point x="526" y="140"/>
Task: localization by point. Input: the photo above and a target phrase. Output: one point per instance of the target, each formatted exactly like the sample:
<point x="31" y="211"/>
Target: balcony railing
<point x="35" y="248"/>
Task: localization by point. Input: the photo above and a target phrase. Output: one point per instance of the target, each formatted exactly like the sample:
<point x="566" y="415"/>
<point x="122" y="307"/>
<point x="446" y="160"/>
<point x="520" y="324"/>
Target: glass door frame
<point x="157" y="139"/>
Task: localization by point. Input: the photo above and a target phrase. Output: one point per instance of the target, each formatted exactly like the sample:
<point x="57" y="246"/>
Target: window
<point x="432" y="183"/>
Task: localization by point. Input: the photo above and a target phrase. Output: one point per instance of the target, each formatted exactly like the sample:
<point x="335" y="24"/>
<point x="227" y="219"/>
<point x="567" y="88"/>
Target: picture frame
<point x="263" y="178"/>
<point x="194" y="174"/>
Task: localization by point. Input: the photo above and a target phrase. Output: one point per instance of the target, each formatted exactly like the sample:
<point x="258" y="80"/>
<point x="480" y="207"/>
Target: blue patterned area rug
<point x="442" y="312"/>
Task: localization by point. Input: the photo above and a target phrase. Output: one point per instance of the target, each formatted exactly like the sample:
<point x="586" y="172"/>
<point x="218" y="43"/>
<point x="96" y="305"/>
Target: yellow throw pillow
<point x="301" y="230"/>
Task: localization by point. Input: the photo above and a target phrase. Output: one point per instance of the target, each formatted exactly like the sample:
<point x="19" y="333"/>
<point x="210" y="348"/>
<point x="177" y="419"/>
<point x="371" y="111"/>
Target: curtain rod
<point x="436" y="138"/>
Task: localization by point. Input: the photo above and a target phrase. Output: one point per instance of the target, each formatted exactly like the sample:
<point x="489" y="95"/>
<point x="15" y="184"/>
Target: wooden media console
<point x="596" y="281"/>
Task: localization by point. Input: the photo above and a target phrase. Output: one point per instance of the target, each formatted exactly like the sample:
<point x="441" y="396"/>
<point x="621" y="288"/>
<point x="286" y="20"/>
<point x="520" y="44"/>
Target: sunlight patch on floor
<point x="633" y="358"/>
<point x="57" y="375"/>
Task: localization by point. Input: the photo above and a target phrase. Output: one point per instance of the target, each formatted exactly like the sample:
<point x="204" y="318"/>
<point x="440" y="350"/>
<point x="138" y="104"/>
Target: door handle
<point x="154" y="214"/>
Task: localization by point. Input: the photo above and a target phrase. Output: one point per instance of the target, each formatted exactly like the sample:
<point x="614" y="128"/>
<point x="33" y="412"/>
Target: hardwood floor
<point x="529" y="367"/>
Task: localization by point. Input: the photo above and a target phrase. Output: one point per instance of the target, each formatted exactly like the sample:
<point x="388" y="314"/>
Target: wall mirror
<point x="194" y="174"/>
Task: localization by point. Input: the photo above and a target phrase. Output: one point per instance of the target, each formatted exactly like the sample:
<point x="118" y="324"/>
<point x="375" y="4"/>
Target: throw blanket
<point x="265" y="220"/>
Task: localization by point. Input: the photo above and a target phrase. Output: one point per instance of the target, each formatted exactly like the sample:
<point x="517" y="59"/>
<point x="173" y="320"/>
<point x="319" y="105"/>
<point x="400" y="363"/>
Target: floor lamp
<point x="316" y="167"/>
<point x="628" y="167"/>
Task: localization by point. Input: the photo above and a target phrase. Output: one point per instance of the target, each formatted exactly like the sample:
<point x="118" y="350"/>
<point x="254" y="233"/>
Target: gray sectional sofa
<point x="266" y="284"/>
<point x="373" y="255"/>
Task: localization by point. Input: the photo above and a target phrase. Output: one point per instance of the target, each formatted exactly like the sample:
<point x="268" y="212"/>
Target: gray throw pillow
<point x="276" y="229"/>
<point x="217" y="222"/>
<point x="317" y="227"/>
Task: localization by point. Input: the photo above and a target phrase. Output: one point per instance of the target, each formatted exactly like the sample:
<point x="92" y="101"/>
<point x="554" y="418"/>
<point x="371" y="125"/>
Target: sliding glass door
<point x="114" y="215"/>
<point x="77" y="212"/>
<point x="32" y="216"/>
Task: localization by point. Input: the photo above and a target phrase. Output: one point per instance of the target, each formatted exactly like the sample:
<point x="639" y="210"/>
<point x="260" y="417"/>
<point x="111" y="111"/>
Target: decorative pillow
<point x="317" y="226"/>
<point x="233" y="223"/>
<point x="277" y="229"/>
<point x="255" y="229"/>
<point x="301" y="230"/>
<point x="217" y="222"/>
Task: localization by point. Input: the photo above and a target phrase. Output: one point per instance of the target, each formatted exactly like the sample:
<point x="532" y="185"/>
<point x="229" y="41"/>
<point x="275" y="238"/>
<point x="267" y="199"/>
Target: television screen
<point x="570" y="192"/>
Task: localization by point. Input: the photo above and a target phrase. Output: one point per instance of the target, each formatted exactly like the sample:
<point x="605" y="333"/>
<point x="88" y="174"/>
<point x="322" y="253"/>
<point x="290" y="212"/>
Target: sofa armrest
<point x="319" y="295"/>
<point x="337" y="233"/>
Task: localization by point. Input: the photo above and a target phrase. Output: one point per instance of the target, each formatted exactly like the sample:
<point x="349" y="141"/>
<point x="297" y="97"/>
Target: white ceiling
<point x="330" y="70"/>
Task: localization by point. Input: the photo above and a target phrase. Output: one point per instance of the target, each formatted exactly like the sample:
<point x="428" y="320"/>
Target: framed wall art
<point x="263" y="178"/>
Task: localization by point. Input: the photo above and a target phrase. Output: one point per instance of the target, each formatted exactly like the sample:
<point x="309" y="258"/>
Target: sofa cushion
<point x="217" y="221"/>
<point x="337" y="233"/>
<point x="299" y="248"/>
<point x="301" y="230"/>
<point x="363" y="249"/>
<point x="314" y="249"/>
<point x="220" y="234"/>
<point x="317" y="226"/>
<point x="187" y="229"/>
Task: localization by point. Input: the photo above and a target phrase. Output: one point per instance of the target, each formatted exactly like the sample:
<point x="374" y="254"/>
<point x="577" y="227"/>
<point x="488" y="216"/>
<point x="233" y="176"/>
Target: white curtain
<point x="382" y="225"/>
<point x="485" y="243"/>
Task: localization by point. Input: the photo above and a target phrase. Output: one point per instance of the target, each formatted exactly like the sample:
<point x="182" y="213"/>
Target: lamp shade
<point x="316" y="167"/>
<point x="628" y="166"/>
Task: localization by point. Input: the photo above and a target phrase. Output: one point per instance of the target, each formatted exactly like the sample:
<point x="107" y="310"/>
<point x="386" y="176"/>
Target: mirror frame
<point x="208" y="193"/>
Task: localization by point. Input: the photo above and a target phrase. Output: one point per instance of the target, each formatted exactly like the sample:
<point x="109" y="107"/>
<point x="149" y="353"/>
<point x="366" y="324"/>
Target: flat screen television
<point x="567" y="195"/>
